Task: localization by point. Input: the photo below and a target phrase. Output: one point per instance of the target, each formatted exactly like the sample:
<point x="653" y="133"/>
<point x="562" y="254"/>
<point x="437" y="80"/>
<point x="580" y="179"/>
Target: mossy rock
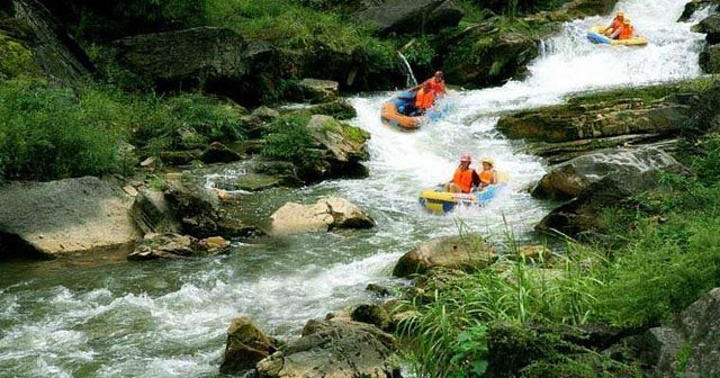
<point x="15" y="59"/>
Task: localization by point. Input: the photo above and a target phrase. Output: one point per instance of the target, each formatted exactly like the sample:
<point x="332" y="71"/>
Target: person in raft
<point x="425" y="99"/>
<point x="617" y="22"/>
<point x="625" y="31"/>
<point x="464" y="179"/>
<point x="488" y="176"/>
<point x="437" y="83"/>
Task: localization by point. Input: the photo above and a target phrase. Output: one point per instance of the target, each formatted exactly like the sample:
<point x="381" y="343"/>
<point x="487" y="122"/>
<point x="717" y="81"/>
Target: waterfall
<point x="410" y="80"/>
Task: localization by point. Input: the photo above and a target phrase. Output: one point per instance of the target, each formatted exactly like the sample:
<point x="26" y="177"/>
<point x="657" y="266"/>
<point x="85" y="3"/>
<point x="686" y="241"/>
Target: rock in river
<point x="326" y="214"/>
<point x="337" y="349"/>
<point x="456" y="252"/>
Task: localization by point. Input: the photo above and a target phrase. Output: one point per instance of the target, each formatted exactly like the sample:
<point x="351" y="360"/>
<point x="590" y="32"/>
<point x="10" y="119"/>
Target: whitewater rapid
<point x="168" y="319"/>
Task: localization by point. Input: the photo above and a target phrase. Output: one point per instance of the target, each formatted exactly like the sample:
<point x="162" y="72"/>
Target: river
<point x="101" y="316"/>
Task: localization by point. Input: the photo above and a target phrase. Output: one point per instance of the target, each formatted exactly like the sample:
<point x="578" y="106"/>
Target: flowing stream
<point x="101" y="316"/>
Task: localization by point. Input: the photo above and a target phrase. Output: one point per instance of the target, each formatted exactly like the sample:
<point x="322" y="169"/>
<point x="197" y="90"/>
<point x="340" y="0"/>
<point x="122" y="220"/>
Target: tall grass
<point x="49" y="133"/>
<point x="449" y="335"/>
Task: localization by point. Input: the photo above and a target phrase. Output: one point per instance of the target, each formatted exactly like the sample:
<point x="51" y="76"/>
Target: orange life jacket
<point x="424" y="100"/>
<point x="486" y="177"/>
<point x="616" y="24"/>
<point x="626" y="32"/>
<point x="464" y="179"/>
<point x="437" y="86"/>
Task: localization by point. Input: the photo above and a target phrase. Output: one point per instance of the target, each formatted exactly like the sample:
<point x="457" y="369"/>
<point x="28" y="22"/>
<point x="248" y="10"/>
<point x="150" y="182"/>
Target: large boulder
<point x="467" y="252"/>
<point x="710" y="59"/>
<point x="326" y="214"/>
<point x="485" y="56"/>
<point x="72" y="215"/>
<point x="711" y="27"/>
<point x="694" y="6"/>
<point x="175" y="246"/>
<point x="585" y="119"/>
<point x="54" y="50"/>
<point x="568" y="179"/>
<point x="689" y="348"/>
<point x="700" y="324"/>
<point x="246" y="345"/>
<point x="580" y="217"/>
<point x="200" y="213"/>
<point x="422" y="16"/>
<point x="217" y="59"/>
<point x="337" y="349"/>
<point x="339" y="147"/>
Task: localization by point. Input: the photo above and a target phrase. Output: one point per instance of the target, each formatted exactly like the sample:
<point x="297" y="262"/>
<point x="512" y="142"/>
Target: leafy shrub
<point x="52" y="133"/>
<point x="49" y="133"/>
<point x="288" y="138"/>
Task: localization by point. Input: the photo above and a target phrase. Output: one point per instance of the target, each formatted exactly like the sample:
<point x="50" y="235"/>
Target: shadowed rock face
<point x="568" y="179"/>
<point x="54" y="49"/>
<point x="217" y="59"/>
<point x="400" y="16"/>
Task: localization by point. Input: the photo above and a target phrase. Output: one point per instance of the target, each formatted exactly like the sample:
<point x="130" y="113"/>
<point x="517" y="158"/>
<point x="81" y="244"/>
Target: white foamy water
<point x="168" y="319"/>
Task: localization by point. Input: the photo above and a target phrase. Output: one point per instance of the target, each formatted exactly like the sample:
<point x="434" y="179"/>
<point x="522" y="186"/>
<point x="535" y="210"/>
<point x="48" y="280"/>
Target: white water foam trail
<point x="169" y="320"/>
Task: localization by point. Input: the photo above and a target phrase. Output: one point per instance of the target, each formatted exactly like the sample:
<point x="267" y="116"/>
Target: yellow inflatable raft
<point x="437" y="200"/>
<point x="595" y="35"/>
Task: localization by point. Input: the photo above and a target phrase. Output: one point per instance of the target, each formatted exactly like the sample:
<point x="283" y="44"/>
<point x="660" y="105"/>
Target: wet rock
<point x="218" y="153"/>
<point x="465" y="253"/>
<point x="569" y="179"/>
<point x="246" y="345"/>
<point x="200" y="214"/>
<point x="71" y="215"/>
<point x="563" y="182"/>
<point x="563" y="123"/>
<point x="380" y="290"/>
<point x="580" y="217"/>
<point x="334" y="349"/>
<point x="326" y="214"/>
<point x="319" y="91"/>
<point x="504" y="56"/>
<point x="175" y="246"/>
<point x="710" y="59"/>
<point x="397" y="16"/>
<point x="339" y="149"/>
<point x="694" y="6"/>
<point x="711" y="27"/>
<point x="152" y="212"/>
<point x="371" y="314"/>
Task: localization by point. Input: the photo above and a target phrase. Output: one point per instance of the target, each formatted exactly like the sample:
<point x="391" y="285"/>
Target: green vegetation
<point x="669" y="257"/>
<point x="16" y="59"/>
<point x="648" y="93"/>
<point x="288" y="138"/>
<point x="48" y="132"/>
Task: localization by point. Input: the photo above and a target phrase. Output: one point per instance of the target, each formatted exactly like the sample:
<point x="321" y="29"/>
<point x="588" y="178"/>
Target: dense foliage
<point x="48" y="132"/>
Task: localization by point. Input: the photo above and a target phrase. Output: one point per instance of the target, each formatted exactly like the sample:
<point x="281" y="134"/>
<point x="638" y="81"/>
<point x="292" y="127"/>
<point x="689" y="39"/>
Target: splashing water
<point x="82" y="318"/>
